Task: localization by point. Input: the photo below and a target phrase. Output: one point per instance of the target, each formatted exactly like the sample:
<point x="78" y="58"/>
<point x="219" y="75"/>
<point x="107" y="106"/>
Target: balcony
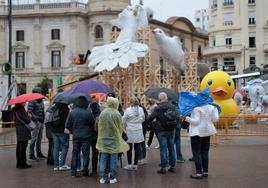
<point x="228" y="4"/>
<point x="217" y="50"/>
<point x="45" y="8"/>
<point x="251" y="3"/>
<point x="214" y="7"/>
<point x="227" y="23"/>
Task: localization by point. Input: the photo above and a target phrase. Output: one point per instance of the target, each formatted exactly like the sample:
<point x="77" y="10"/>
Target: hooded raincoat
<point x="110" y="129"/>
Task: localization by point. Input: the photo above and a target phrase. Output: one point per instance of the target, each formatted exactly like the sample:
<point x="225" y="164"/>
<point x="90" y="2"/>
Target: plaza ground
<point x="234" y="163"/>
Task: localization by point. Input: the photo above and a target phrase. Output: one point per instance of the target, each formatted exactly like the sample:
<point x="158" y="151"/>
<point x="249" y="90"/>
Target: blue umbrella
<point x="189" y="100"/>
<point x="89" y="87"/>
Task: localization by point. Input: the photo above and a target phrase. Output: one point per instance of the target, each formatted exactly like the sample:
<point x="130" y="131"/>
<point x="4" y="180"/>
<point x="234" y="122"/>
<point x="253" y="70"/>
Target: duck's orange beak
<point x="219" y="91"/>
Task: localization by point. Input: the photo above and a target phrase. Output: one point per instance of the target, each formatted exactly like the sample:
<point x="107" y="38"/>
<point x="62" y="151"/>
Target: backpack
<point x="53" y="116"/>
<point x="172" y="119"/>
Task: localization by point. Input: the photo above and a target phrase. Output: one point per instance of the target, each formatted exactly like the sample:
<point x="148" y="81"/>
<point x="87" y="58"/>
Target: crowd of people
<point x="106" y="132"/>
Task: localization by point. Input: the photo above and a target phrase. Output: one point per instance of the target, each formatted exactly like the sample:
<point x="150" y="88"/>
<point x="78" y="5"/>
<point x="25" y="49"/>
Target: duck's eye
<point x="209" y="82"/>
<point x="229" y="82"/>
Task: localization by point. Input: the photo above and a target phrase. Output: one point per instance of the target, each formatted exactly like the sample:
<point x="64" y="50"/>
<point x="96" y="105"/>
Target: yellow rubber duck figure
<point x="222" y="89"/>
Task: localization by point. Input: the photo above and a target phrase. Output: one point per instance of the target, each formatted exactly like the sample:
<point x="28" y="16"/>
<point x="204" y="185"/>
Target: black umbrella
<point x="154" y="92"/>
<point x="70" y="98"/>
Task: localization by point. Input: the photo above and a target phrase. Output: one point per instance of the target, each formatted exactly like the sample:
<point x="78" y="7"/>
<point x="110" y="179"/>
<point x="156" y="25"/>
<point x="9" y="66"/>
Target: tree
<point x="45" y="85"/>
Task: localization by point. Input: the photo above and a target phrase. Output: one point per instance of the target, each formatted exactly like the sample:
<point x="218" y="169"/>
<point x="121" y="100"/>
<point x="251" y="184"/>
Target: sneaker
<point x="128" y="167"/>
<point x="32" y="157"/>
<point x="78" y="170"/>
<point x="25" y="166"/>
<point x="102" y="180"/>
<point x="142" y="161"/>
<point x="180" y="161"/>
<point x="156" y="147"/>
<point x="56" y="168"/>
<point x="64" y="167"/>
<point x="196" y="176"/>
<point x="113" y="180"/>
<point x="134" y="167"/>
<point x="41" y="156"/>
<point x="191" y="159"/>
<point x="162" y="171"/>
<point x="205" y="174"/>
<point x="172" y="170"/>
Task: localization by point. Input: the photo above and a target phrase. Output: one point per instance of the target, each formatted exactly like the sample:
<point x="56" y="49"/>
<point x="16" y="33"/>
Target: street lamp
<point x="10" y="45"/>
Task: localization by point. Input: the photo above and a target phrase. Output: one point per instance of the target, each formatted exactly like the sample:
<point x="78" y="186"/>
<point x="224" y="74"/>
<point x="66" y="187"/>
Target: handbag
<point x="31" y="126"/>
<point x="185" y="124"/>
<point x="124" y="136"/>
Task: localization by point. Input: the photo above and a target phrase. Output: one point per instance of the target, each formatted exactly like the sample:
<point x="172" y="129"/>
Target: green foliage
<point x="45" y="84"/>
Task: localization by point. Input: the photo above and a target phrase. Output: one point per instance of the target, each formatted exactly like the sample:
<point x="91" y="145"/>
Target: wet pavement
<point x="234" y="163"/>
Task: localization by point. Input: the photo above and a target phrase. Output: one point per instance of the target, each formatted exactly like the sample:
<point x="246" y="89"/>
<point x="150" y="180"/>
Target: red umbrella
<point x="25" y="98"/>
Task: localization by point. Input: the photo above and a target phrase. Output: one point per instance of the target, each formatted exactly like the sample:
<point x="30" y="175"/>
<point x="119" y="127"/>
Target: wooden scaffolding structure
<point x="150" y="71"/>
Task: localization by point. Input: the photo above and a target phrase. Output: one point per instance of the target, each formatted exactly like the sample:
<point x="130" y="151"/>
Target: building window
<point x="251" y="1"/>
<point x="229" y="64"/>
<point x="182" y="44"/>
<point x="114" y="28"/>
<point x="252" y="40"/>
<point x="228" y="2"/>
<point x="21" y="88"/>
<point x="251" y="18"/>
<point x="199" y="52"/>
<point x="56" y="59"/>
<point x="214" y="4"/>
<point x="228" y="41"/>
<point x="214" y="64"/>
<point x="98" y="32"/>
<point x="20" y="35"/>
<point x="213" y="41"/>
<point x="228" y="18"/>
<point x="20" y="60"/>
<point x="252" y="60"/>
<point x="197" y="19"/>
<point x="55" y="34"/>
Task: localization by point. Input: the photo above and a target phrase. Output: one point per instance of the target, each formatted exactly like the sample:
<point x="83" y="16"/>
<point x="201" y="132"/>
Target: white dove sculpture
<point x="170" y="49"/>
<point x="125" y="50"/>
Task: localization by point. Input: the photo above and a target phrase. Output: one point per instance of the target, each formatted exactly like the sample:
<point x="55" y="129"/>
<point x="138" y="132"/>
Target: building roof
<point x="172" y="20"/>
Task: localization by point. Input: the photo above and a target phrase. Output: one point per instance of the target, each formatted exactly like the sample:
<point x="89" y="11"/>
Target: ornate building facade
<point x="238" y="35"/>
<point x="45" y="36"/>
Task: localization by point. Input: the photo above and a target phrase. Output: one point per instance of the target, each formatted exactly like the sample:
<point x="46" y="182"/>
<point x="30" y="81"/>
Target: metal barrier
<point x="244" y="125"/>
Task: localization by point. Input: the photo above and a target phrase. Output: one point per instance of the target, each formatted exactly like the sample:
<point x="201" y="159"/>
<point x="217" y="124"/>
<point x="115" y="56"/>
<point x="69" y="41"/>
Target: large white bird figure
<point x="125" y="50"/>
<point x="170" y="49"/>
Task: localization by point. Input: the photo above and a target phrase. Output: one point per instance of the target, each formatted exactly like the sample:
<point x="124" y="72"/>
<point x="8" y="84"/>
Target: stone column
<point x="37" y="42"/>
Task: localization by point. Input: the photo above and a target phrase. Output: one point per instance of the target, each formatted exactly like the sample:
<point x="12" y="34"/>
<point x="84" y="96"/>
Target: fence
<point x="244" y="125"/>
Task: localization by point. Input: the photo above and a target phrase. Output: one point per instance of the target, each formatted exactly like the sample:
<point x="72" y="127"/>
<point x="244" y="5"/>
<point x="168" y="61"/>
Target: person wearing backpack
<point x="166" y="131"/>
<point x="60" y="139"/>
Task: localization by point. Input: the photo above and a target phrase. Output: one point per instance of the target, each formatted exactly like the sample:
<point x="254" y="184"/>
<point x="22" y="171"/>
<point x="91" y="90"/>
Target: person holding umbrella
<point x="22" y="119"/>
<point x="23" y="134"/>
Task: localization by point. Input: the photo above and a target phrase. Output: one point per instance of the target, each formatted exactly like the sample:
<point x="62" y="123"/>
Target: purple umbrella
<point x="89" y="87"/>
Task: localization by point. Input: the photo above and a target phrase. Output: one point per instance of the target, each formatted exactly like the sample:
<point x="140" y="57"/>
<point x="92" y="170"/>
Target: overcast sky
<point x="164" y="9"/>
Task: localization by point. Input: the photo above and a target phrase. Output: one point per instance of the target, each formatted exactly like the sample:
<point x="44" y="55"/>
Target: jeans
<point x="21" y="153"/>
<point x="113" y="165"/>
<point x="177" y="142"/>
<point x="200" y="148"/>
<point x="167" y="152"/>
<point x="37" y="135"/>
<point x="60" y="139"/>
<point x="77" y="147"/>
